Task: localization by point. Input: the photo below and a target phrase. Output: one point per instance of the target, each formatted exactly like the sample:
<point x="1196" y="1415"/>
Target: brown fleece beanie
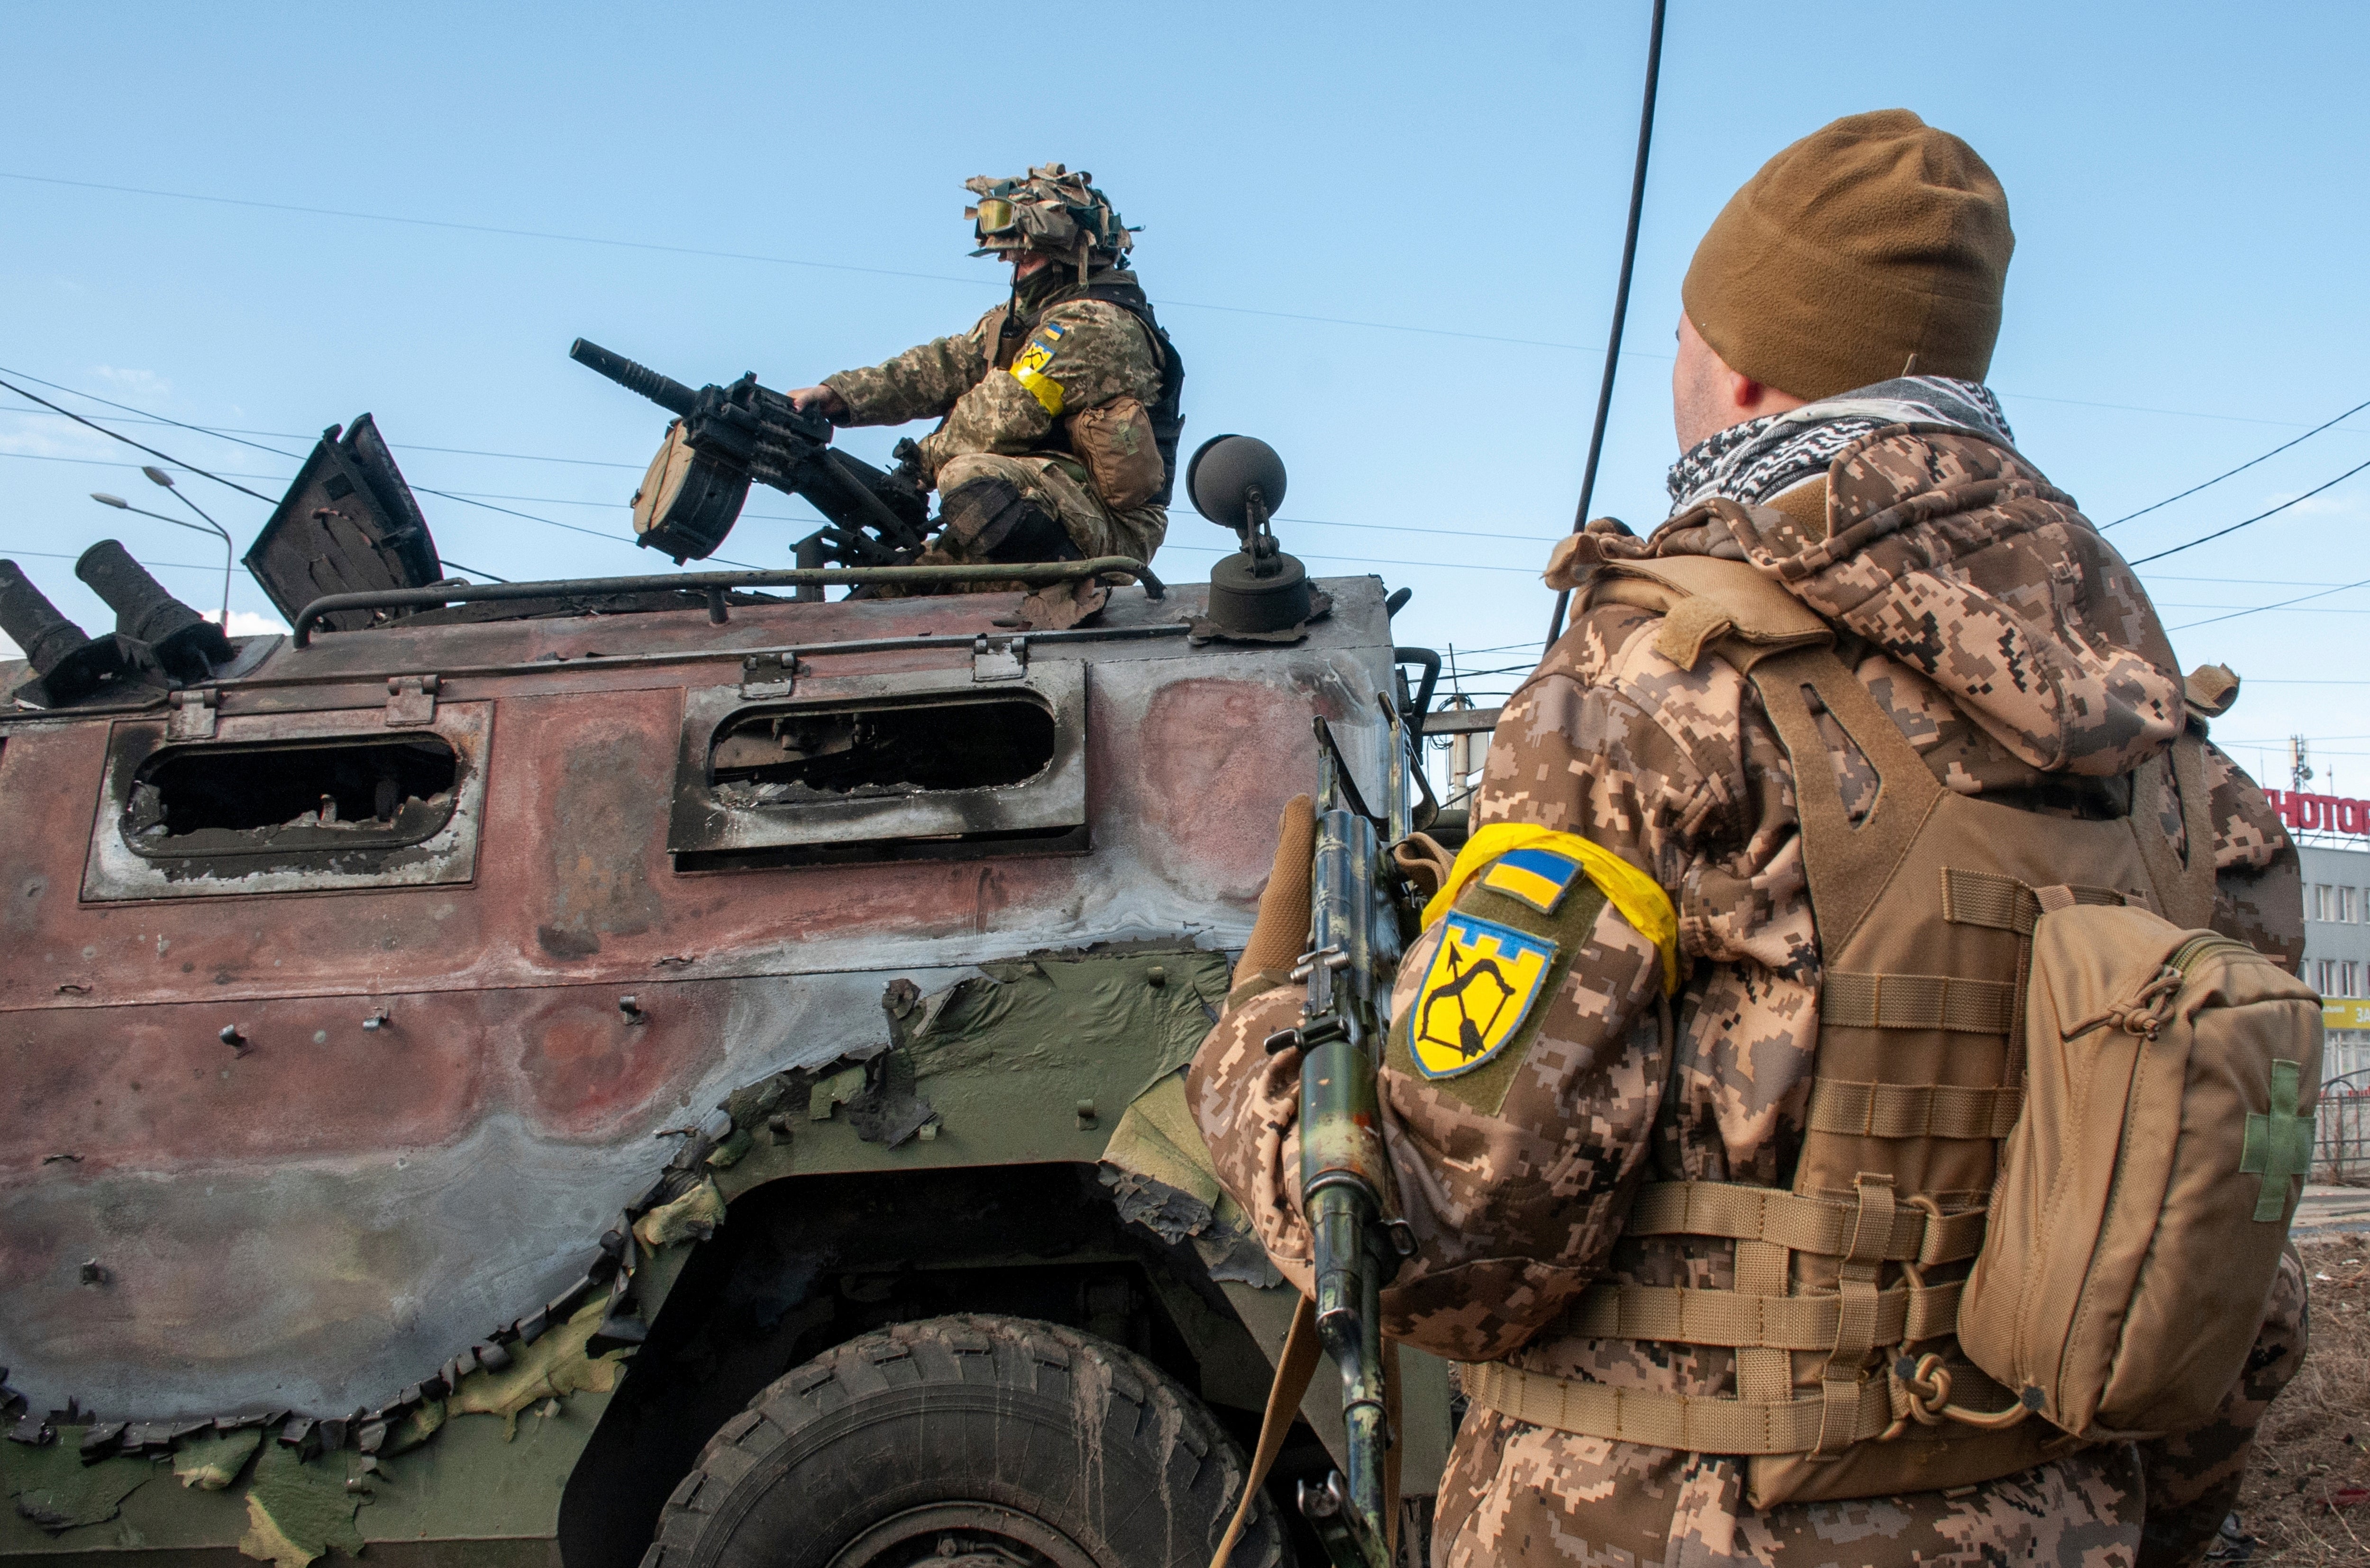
<point x="1867" y="242"/>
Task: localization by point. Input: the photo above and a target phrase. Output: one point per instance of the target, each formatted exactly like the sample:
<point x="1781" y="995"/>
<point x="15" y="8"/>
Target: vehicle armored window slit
<point x="279" y="800"/>
<point x="289" y="802"/>
<point x="783" y="758"/>
<point x="914" y="765"/>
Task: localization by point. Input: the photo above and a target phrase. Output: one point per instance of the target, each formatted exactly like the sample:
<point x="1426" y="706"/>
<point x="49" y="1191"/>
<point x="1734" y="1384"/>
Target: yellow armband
<point x="1028" y="367"/>
<point x="1538" y="865"/>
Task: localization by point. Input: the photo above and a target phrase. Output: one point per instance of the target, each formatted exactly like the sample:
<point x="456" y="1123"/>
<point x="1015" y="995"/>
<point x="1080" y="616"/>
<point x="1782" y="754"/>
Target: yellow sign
<point x="1480" y="987"/>
<point x="2344" y="1012"/>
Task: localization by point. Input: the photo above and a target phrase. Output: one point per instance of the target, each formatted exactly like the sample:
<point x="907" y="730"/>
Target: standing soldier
<point x="1621" y="1188"/>
<point x="1058" y="411"/>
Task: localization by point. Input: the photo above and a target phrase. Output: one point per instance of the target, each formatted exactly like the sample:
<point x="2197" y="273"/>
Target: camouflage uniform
<point x="2021" y="658"/>
<point x="997" y="425"/>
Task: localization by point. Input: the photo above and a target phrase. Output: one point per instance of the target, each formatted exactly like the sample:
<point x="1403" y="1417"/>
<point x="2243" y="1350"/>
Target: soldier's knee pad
<point x="991" y="520"/>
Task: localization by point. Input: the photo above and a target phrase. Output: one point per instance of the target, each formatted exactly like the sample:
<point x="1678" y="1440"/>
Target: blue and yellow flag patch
<point x="1538" y="877"/>
<point x="1484" y="982"/>
<point x="1028" y="367"/>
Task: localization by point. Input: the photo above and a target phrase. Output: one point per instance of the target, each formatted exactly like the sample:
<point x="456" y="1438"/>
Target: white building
<point x="2337" y="952"/>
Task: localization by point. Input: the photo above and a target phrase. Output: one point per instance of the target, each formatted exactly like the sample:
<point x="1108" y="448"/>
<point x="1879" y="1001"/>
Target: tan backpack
<point x="2144" y="1195"/>
<point x="1985" y="1222"/>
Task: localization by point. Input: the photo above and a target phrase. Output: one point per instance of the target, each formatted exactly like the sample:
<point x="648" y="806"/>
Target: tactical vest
<point x="1121" y="289"/>
<point x="1925" y="909"/>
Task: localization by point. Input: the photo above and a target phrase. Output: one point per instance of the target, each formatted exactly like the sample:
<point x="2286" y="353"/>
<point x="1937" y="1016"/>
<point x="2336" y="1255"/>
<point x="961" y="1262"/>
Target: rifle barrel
<point x="665" y="391"/>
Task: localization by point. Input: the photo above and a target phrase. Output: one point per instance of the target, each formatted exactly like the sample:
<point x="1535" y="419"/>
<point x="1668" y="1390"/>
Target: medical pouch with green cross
<point x="2170" y="1081"/>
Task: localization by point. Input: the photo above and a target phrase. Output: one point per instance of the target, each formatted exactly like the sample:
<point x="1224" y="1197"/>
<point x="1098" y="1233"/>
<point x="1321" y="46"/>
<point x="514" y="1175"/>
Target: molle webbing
<point x="1836" y="1228"/>
<point x="1707" y="1424"/>
<point x="1688" y="1423"/>
<point x="1916" y="1001"/>
<point x="1736" y="1318"/>
<point x="2004" y="903"/>
<point x="1912" y="1111"/>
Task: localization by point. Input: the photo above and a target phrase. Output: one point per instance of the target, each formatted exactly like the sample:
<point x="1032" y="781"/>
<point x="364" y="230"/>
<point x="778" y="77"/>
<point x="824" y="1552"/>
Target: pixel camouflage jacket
<point x="2018" y="654"/>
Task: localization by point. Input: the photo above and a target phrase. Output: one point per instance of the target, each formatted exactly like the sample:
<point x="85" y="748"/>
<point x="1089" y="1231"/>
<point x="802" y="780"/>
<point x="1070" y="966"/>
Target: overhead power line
<point x="977" y="280"/>
<point x="1620" y="305"/>
<point x="2241" y="468"/>
<point x="151" y="565"/>
<point x="2258" y="517"/>
<point x="1368" y="560"/>
<point x="720" y="254"/>
<point x="2284" y="604"/>
<point x="118" y="435"/>
<point x="143" y="418"/>
<point x="179" y="463"/>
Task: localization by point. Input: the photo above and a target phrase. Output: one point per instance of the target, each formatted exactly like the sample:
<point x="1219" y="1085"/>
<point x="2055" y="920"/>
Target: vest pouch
<point x="2144" y="1197"/>
<point x="1115" y="441"/>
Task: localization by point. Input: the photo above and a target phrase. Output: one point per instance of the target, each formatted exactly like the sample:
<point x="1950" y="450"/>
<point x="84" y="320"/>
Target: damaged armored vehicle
<point x="672" y="1069"/>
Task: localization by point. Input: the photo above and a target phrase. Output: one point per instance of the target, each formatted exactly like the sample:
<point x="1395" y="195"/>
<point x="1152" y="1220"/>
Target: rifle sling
<point x="1296" y="1365"/>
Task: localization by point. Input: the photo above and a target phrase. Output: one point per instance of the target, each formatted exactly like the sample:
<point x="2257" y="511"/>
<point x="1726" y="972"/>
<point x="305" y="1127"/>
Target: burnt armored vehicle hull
<point x="453" y="1070"/>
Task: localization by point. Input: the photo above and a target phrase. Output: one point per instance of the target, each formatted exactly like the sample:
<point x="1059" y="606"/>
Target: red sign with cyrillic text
<point x="2320" y="814"/>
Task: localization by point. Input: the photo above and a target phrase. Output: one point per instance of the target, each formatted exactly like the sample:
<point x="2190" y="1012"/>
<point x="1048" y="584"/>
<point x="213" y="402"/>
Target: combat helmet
<point x="1051" y="211"/>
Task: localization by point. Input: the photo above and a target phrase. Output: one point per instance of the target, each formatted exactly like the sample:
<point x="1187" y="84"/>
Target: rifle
<point x="1362" y="912"/>
<point x="724" y="437"/>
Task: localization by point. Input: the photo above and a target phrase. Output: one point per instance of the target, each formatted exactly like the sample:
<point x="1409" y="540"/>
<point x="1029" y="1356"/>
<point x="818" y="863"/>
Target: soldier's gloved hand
<point x="823" y="400"/>
<point x="1280" y="935"/>
<point x="1424" y="862"/>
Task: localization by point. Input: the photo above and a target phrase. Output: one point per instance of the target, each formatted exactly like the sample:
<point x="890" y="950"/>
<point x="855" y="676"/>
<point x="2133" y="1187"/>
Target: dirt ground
<point x="2307" y="1498"/>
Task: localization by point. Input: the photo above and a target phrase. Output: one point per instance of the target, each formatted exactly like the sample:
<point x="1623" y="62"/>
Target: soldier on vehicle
<point x="1600" y="1175"/>
<point x="1058" y="409"/>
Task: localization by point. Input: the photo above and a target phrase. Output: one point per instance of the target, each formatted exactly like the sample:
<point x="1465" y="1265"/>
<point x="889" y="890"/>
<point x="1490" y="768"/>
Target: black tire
<point x="1025" y="1445"/>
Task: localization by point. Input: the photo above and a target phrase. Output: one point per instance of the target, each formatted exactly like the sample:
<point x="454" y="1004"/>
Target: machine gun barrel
<point x="664" y="390"/>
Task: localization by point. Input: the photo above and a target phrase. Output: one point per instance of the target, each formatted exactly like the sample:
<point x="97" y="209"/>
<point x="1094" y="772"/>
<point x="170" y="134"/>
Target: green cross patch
<point x="2279" y="1144"/>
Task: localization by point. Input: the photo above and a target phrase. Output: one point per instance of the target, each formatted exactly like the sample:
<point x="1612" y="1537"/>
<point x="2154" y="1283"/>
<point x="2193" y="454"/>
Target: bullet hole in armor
<point x="252" y="800"/>
<point x="780" y="758"/>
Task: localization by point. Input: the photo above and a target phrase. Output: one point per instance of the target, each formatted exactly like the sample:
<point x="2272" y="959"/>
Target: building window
<point x="2345" y="904"/>
<point x="2318" y="905"/>
<point x="2346" y="976"/>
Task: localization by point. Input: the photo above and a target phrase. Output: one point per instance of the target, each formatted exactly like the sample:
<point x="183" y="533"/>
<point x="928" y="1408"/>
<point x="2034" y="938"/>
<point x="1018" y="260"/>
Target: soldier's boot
<point x="990" y="519"/>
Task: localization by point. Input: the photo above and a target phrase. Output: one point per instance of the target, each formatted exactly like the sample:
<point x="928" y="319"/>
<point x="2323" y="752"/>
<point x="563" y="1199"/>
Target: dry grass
<point x="2316" y="1441"/>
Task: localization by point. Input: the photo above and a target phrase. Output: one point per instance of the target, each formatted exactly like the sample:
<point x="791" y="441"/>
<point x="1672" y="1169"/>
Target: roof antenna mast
<point x="1620" y="305"/>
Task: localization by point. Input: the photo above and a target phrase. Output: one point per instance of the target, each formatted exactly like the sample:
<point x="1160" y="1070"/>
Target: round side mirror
<point x="1225" y="470"/>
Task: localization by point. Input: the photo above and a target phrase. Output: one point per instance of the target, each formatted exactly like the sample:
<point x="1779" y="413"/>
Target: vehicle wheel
<point x="973" y="1442"/>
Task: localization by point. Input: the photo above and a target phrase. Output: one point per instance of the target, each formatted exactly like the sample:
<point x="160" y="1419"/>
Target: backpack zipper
<point x="2199" y="946"/>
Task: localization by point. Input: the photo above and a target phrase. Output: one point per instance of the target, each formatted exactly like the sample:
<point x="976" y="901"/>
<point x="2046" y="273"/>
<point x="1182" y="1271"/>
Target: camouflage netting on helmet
<point x="1051" y="211"/>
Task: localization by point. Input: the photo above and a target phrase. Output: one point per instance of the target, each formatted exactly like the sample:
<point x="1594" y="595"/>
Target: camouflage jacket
<point x="2017" y="652"/>
<point x="1077" y="355"/>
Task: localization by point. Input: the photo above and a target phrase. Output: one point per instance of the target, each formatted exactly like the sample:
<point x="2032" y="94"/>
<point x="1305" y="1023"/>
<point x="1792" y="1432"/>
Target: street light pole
<point x="229" y="548"/>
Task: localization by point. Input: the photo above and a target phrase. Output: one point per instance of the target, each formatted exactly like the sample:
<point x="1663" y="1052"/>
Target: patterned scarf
<point x="1752" y="462"/>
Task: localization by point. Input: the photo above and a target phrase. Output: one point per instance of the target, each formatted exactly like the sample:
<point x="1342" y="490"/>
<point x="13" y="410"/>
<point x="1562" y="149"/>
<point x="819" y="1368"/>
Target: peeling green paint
<point x="212" y="1463"/>
<point x="691" y="1217"/>
<point x="297" y="1511"/>
<point x="554" y="1365"/>
<point x="56" y="1491"/>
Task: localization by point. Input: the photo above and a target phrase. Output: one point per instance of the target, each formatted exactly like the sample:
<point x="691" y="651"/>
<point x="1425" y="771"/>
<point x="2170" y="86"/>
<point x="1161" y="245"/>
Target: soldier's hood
<point x="1953" y="555"/>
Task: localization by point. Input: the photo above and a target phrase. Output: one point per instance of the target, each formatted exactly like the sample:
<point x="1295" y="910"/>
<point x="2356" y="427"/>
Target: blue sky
<point x="1385" y="237"/>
